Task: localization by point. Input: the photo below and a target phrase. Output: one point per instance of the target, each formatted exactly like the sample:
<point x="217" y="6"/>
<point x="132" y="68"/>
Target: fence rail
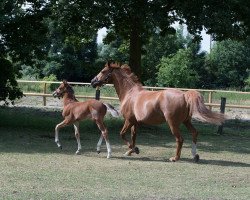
<point x="210" y="101"/>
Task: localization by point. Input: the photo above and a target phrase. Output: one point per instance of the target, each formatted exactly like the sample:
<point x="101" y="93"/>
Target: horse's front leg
<point x="133" y="140"/>
<point x="77" y="134"/>
<point x="125" y="127"/>
<point x="58" y="126"/>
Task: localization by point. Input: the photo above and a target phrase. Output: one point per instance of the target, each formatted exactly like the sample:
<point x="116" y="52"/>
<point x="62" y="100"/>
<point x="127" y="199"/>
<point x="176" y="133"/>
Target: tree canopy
<point x="59" y="36"/>
<point x="136" y="20"/>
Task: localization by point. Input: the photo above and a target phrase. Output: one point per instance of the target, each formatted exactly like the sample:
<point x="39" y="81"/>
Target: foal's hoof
<point x="173" y="159"/>
<point x="60" y="147"/>
<point x="78" y="153"/>
<point x="109" y="156"/>
<point x="136" y="150"/>
<point x="98" y="152"/>
<point x="196" y="158"/>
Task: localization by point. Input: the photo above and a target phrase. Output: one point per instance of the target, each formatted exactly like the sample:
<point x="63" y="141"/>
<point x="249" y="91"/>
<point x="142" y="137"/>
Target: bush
<point x="176" y="71"/>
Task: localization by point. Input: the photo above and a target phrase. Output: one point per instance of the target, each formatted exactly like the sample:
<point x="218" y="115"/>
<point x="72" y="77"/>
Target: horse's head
<point x="105" y="75"/>
<point x="62" y="89"/>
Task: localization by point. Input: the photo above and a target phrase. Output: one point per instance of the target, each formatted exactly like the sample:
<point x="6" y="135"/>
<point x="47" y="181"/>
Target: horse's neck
<point x="123" y="86"/>
<point x="68" y="98"/>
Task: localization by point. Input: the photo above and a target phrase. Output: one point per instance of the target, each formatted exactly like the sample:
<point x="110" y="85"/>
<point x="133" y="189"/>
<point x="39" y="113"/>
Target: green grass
<point x="32" y="167"/>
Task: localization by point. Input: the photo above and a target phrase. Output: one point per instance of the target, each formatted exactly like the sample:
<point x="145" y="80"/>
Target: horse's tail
<point x="199" y="111"/>
<point x="112" y="110"/>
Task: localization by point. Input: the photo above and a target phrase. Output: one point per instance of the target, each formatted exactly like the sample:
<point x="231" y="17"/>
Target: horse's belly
<point x="150" y="117"/>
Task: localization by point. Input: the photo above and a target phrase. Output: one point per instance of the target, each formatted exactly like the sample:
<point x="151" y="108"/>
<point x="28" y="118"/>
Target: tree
<point x="136" y="20"/>
<point x="228" y="63"/>
<point x="8" y="85"/>
<point x="160" y="46"/>
<point x="176" y="71"/>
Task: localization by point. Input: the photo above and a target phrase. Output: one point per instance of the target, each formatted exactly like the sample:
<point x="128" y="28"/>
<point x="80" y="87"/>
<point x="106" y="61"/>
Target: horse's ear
<point x="113" y="64"/>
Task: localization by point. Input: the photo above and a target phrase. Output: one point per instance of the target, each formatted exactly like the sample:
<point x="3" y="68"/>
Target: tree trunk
<point x="135" y="50"/>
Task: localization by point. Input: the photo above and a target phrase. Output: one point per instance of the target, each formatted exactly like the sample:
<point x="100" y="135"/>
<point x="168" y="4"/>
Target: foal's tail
<point x="112" y="110"/>
<point x="198" y="110"/>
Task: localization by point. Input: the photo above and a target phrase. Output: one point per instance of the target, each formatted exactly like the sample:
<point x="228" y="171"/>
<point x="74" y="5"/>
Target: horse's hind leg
<point x="179" y="140"/>
<point x="194" y="132"/>
<point x="104" y="132"/>
<point x="77" y="134"/>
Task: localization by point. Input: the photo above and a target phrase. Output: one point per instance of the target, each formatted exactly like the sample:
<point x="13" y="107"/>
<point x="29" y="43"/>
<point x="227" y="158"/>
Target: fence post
<point x="44" y="92"/>
<point x="210" y="99"/>
<point x="222" y="110"/>
<point x="97" y="93"/>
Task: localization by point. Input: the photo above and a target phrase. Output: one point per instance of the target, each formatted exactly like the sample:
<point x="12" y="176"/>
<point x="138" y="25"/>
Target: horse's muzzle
<point x="95" y="82"/>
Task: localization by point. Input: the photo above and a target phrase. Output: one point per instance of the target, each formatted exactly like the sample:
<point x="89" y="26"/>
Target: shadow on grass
<point x="29" y="130"/>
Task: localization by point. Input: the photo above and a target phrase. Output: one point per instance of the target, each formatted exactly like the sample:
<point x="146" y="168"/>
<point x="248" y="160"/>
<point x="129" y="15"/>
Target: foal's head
<point x="63" y="89"/>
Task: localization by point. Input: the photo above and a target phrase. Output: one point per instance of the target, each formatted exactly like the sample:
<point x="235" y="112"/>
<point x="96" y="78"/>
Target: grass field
<point x="32" y="167"/>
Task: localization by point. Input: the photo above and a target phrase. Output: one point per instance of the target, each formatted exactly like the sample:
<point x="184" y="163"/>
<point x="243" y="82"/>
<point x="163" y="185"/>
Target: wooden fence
<point x="209" y="101"/>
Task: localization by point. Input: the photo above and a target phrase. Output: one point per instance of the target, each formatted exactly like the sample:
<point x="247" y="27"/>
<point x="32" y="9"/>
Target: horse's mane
<point x="129" y="76"/>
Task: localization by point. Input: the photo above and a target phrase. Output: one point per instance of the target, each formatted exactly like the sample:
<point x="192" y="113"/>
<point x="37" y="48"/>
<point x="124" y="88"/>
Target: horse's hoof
<point x="136" y="150"/>
<point x="98" y="152"/>
<point x="196" y="158"/>
<point x="60" y="147"/>
<point x="128" y="153"/>
<point x="78" y="153"/>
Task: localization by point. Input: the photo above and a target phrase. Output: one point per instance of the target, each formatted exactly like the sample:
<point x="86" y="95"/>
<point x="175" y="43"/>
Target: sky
<point x="205" y="43"/>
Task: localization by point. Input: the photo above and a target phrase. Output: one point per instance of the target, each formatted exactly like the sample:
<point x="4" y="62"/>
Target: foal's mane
<point x="69" y="90"/>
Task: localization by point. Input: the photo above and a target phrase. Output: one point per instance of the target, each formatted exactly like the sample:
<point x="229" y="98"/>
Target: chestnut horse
<point x="74" y="111"/>
<point x="155" y="107"/>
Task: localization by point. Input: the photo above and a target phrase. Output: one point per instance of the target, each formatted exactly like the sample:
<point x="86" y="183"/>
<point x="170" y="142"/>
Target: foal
<point x="74" y="111"/>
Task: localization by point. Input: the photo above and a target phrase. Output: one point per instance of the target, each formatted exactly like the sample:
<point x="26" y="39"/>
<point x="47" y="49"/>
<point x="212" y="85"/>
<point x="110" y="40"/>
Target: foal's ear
<point x="65" y="82"/>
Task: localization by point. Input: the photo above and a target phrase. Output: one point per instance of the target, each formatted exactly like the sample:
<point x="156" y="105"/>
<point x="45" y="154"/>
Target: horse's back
<point x="155" y="107"/>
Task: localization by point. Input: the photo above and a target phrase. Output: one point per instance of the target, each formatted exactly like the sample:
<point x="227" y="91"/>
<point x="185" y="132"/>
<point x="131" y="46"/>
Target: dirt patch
<point x="55" y="103"/>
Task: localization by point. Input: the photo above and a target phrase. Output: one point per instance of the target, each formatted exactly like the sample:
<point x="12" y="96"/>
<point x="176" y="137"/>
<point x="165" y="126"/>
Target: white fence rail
<point x="209" y="102"/>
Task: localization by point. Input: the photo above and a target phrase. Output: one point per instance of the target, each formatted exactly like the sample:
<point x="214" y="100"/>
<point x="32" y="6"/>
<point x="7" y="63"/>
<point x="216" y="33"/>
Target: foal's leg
<point x="98" y="149"/>
<point x="77" y="134"/>
<point x="104" y="132"/>
<point x="194" y="132"/>
<point x="179" y="140"/>
<point x="58" y="126"/>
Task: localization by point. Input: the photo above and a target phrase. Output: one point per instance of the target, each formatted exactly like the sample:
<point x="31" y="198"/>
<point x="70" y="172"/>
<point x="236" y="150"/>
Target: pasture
<point x="32" y="167"/>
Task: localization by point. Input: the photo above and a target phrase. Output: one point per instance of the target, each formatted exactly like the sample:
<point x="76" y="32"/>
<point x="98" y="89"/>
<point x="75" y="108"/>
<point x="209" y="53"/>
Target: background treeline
<point x="172" y="61"/>
<point x="55" y="40"/>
